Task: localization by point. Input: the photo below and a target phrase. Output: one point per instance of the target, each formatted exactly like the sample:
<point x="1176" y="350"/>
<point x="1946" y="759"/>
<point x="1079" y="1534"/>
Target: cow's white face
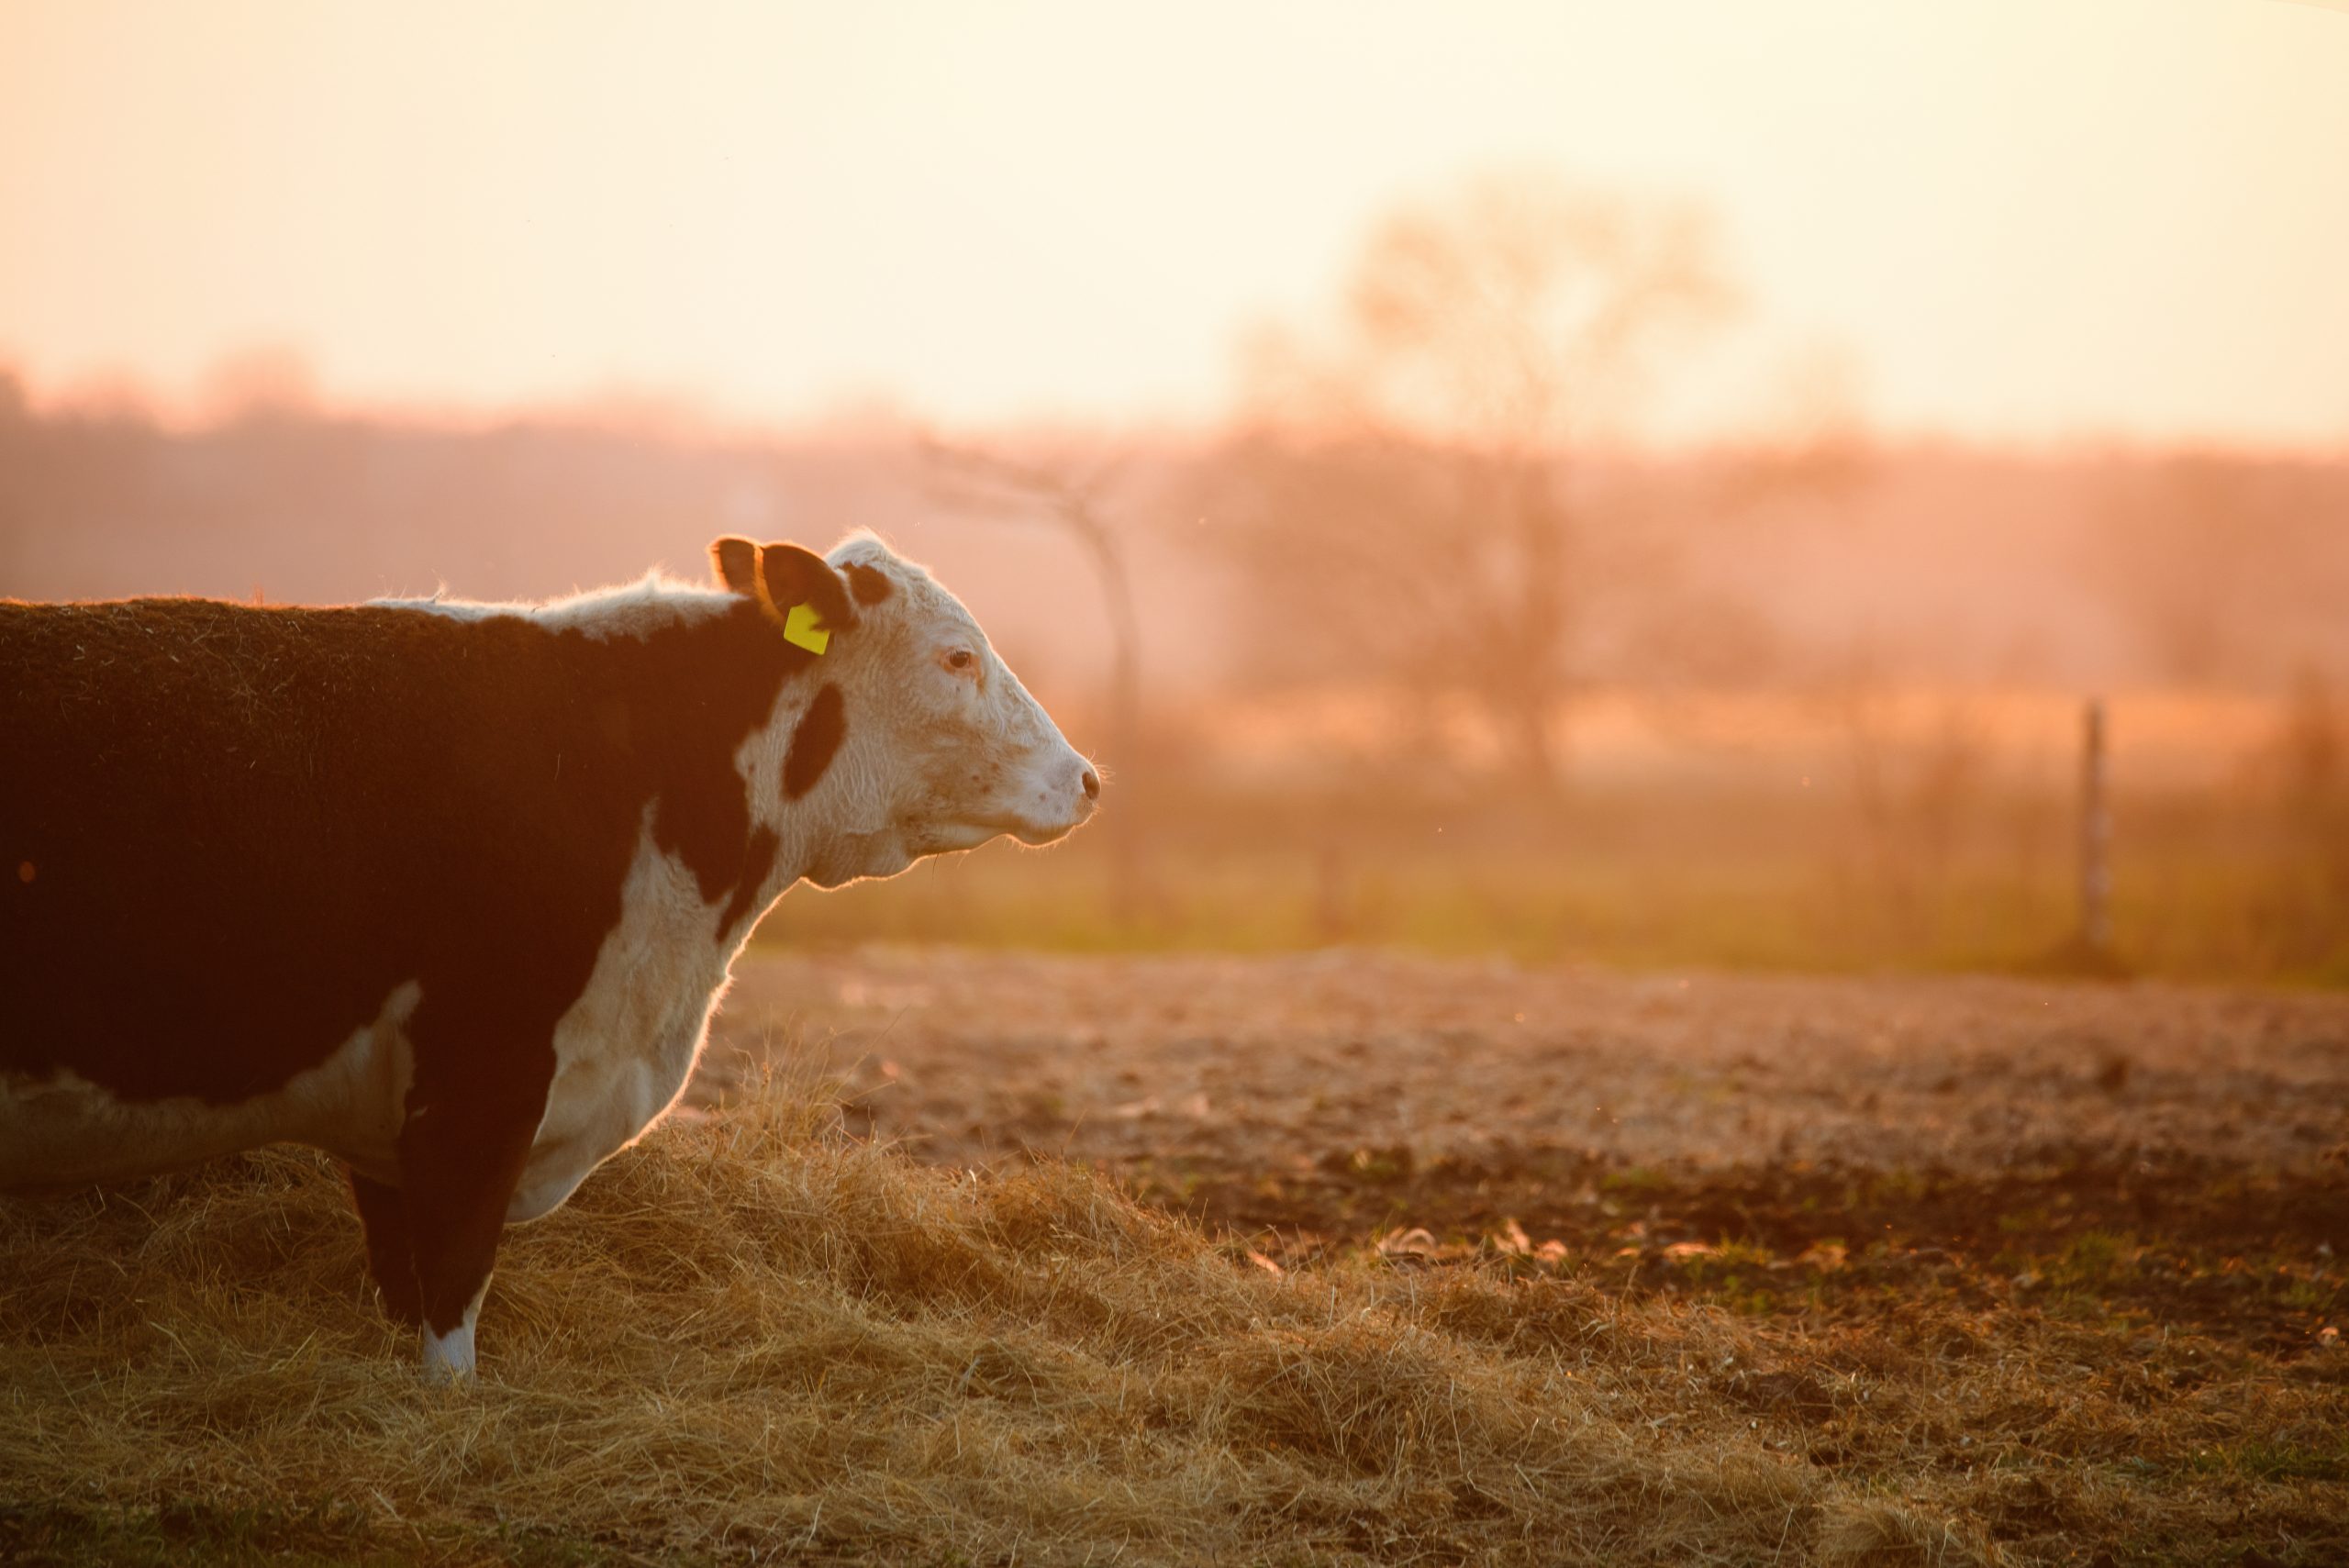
<point x="939" y="746"/>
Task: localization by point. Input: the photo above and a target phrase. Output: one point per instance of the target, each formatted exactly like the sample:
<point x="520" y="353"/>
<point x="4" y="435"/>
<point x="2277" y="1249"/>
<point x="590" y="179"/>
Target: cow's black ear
<point x="791" y="574"/>
<point x="737" y="560"/>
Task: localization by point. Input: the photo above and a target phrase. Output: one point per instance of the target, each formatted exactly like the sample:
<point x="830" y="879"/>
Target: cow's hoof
<point x="449" y="1359"/>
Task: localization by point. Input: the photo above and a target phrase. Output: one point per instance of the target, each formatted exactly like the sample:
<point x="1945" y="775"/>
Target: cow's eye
<point x="959" y="658"/>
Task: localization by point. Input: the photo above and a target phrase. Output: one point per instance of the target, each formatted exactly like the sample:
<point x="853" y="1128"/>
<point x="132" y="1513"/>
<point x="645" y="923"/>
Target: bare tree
<point x="1407" y="481"/>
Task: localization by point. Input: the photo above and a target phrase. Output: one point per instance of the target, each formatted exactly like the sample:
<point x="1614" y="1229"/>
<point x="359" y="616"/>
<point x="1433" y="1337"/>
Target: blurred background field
<point x="1810" y="708"/>
<point x="2208" y="886"/>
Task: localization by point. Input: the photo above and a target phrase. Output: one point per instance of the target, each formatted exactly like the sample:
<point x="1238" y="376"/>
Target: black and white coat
<point x="451" y="890"/>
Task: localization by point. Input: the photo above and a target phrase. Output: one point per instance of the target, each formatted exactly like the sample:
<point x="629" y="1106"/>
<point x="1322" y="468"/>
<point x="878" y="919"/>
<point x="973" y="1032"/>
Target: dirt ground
<point x="2163" y="1156"/>
<point x="2067" y="1256"/>
<point x="1503" y="1266"/>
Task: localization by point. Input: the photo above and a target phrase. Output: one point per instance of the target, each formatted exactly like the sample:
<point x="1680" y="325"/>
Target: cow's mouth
<point x="946" y="838"/>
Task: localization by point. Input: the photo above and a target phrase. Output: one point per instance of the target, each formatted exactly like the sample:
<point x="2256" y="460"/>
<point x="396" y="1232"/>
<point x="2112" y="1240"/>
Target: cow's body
<point x="449" y="891"/>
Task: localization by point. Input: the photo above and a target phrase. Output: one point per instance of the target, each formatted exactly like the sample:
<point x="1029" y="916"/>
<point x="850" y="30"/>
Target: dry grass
<point x="754" y="1338"/>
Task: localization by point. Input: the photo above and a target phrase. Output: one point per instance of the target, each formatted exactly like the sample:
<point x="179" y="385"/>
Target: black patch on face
<point x="821" y="729"/>
<point x="870" y="584"/>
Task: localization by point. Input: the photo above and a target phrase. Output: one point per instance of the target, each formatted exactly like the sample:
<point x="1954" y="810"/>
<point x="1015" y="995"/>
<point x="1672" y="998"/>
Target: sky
<point x="2027" y="221"/>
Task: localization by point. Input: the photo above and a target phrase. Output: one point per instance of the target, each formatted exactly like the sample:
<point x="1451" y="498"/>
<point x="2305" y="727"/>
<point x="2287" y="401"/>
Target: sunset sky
<point x="2008" y="219"/>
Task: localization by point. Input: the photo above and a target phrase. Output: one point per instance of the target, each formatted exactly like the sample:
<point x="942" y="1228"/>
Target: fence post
<point x="2095" y="840"/>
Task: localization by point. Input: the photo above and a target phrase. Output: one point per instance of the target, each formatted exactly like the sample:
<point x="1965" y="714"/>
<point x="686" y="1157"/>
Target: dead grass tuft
<point x="1877" y="1534"/>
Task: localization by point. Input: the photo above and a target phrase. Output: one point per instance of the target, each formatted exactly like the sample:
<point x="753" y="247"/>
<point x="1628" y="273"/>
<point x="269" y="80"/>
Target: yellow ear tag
<point x="804" y="628"/>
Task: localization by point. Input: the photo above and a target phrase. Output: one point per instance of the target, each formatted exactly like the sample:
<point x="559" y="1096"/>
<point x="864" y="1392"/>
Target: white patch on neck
<point x="626" y="1047"/>
<point x="841" y="830"/>
<point x="633" y="609"/>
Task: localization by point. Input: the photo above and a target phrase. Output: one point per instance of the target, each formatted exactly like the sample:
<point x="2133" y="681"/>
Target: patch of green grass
<point x="2308" y="1295"/>
<point x="2094" y="1257"/>
<point x="2269" y="1458"/>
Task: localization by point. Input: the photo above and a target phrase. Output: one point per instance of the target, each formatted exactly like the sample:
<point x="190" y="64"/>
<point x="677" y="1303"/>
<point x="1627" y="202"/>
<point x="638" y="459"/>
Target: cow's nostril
<point x="1092" y="785"/>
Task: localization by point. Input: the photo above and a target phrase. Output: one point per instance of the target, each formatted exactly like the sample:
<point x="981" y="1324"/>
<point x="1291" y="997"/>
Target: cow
<point x="451" y="890"/>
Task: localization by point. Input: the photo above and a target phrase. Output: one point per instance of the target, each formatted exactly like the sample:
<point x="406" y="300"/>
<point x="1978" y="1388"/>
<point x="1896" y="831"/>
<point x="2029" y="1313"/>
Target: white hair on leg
<point x="449" y="1359"/>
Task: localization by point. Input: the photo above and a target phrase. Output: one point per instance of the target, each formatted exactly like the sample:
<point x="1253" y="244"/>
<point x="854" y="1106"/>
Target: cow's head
<point x="907" y="736"/>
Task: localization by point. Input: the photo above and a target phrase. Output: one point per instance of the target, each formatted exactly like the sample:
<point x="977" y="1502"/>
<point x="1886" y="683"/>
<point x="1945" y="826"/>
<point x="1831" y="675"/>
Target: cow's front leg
<point x="459" y="1162"/>
<point x="383" y="1216"/>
